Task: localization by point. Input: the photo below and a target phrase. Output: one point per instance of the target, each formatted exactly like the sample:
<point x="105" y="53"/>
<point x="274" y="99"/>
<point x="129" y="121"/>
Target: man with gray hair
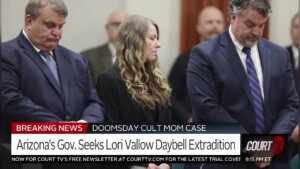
<point x="41" y="80"/>
<point x="102" y="57"/>
<point x="229" y="79"/>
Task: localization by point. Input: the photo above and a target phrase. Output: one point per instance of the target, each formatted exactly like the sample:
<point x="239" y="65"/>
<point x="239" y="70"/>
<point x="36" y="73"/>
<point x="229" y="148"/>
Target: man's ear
<point x="232" y="17"/>
<point x="28" y="20"/>
<point x="198" y="28"/>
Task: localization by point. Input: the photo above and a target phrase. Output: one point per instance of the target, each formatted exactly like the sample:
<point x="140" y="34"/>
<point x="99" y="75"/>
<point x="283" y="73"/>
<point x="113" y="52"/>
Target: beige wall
<point x="86" y="20"/>
<point x="167" y="16"/>
<point x="85" y="25"/>
<point x="280" y="20"/>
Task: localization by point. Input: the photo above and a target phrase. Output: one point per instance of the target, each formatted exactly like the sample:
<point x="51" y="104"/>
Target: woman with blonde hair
<point x="134" y="91"/>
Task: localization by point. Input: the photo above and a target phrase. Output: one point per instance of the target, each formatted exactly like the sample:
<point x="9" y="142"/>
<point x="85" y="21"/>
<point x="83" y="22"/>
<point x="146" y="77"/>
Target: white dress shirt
<point x="112" y="49"/>
<point x="296" y="56"/>
<point x="254" y="56"/>
<point x="38" y="50"/>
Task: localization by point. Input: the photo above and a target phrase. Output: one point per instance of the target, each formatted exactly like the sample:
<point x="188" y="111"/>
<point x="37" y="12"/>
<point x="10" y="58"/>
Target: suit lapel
<point x="228" y="50"/>
<point x="107" y="56"/>
<point x="265" y="58"/>
<point x="266" y="62"/>
<point x="31" y="53"/>
<point x="290" y="49"/>
<point x="62" y="66"/>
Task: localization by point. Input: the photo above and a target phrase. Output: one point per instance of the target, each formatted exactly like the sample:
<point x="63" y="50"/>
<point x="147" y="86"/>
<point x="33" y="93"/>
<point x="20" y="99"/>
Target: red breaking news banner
<point x="48" y="128"/>
<point x="83" y="142"/>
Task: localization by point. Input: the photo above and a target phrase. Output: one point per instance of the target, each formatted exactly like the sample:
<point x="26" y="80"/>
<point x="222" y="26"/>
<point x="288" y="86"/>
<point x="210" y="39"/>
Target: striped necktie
<point x="255" y="92"/>
<point x="51" y="64"/>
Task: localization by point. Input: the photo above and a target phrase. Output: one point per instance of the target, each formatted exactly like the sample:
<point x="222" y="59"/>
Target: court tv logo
<point x="276" y="145"/>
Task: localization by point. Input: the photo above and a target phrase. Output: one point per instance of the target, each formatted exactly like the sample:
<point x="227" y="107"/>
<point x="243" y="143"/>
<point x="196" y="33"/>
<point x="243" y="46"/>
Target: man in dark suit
<point x="294" y="47"/>
<point x="102" y="57"/>
<point x="210" y="24"/>
<point x="41" y="80"/>
<point x="295" y="60"/>
<point x="229" y="78"/>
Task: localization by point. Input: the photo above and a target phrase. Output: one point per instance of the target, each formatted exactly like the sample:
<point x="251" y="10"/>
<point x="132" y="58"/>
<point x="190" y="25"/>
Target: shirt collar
<point x="35" y="48"/>
<point x="236" y="43"/>
<point x="111" y="46"/>
<point x="295" y="48"/>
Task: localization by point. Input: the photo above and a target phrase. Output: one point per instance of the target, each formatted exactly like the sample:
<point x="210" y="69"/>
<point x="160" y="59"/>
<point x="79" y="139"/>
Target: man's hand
<point x="161" y="166"/>
<point x="265" y="155"/>
<point x="295" y="134"/>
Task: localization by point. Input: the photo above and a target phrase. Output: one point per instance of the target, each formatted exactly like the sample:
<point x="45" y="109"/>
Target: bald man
<point x="210" y="23"/>
<point x="102" y="57"/>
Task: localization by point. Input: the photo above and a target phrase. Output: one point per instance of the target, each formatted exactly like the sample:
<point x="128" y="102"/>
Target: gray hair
<point x="33" y="7"/>
<point x="239" y="6"/>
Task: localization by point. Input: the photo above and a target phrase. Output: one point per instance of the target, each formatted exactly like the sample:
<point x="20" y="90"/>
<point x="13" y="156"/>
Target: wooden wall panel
<point x="189" y="13"/>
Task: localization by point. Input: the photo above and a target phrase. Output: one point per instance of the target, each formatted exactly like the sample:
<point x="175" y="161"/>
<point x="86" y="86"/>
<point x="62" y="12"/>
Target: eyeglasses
<point x="114" y="24"/>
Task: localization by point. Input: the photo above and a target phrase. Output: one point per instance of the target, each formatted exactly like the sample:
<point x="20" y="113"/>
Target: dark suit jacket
<point x="100" y="59"/>
<point x="290" y="50"/>
<point x="121" y="108"/>
<point x="293" y="146"/>
<point x="181" y="105"/>
<point x="119" y="105"/>
<point x="219" y="91"/>
<point x="30" y="93"/>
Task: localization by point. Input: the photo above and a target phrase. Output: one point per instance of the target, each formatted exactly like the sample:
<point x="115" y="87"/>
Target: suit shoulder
<point x="278" y="52"/>
<point x="11" y="50"/>
<point x="289" y="47"/>
<point x="207" y="47"/>
<point x="272" y="45"/>
<point x="72" y="56"/>
<point x="210" y="44"/>
<point x="183" y="58"/>
<point x="112" y="74"/>
<point x="9" y="42"/>
<point x="95" y="50"/>
<point x="9" y="45"/>
<point x="110" y="79"/>
<point x="67" y="51"/>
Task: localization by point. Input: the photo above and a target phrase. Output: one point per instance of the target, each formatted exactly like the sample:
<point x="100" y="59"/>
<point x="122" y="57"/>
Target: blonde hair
<point x="143" y="80"/>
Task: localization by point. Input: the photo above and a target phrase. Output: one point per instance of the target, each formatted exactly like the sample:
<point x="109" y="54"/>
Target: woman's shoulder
<point x="112" y="74"/>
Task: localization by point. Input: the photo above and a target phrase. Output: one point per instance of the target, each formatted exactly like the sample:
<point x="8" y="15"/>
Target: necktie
<point x="297" y="74"/>
<point x="297" y="71"/>
<point x="255" y="92"/>
<point x="51" y="64"/>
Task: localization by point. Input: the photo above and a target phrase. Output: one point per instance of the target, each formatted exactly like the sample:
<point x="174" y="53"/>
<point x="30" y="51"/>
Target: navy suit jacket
<point x="219" y="91"/>
<point x="290" y="50"/>
<point x="30" y="93"/>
